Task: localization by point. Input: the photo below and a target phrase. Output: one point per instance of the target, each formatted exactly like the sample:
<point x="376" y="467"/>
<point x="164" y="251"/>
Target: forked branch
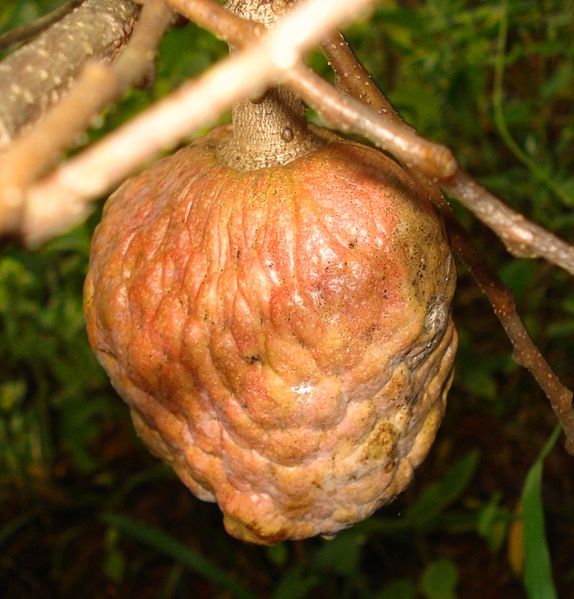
<point x="525" y="351"/>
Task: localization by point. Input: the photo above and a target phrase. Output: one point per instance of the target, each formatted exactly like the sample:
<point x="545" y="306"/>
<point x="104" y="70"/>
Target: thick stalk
<point x="271" y="129"/>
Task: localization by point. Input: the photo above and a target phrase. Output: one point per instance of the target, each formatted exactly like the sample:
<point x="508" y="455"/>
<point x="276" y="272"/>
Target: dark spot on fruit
<point x="253" y="359"/>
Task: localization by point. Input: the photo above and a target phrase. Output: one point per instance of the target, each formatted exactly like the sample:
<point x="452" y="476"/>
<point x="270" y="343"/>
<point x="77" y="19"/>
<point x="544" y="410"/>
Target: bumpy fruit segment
<point x="282" y="335"/>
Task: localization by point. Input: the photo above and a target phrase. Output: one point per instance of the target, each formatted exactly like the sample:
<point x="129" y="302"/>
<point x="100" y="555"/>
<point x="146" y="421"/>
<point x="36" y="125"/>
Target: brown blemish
<point x="381" y="442"/>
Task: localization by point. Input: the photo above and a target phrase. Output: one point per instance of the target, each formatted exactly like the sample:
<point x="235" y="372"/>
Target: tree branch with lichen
<point x="37" y="76"/>
<point x="24" y="33"/>
<point x="98" y="85"/>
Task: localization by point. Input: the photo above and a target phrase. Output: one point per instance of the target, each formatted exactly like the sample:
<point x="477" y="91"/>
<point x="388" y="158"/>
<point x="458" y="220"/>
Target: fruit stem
<point x="269" y="130"/>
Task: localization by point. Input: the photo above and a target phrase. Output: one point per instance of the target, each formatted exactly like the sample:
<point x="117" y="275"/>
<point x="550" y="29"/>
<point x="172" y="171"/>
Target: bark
<point x="36" y="76"/>
<point x="97" y="85"/>
<point x="270" y="129"/>
<point x="24" y="33"/>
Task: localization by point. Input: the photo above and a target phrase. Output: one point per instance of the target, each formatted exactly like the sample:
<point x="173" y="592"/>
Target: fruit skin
<point x="282" y="336"/>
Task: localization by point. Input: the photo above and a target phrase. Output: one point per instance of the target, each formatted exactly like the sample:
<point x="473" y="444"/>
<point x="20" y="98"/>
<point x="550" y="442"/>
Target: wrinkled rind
<point x="282" y="336"/>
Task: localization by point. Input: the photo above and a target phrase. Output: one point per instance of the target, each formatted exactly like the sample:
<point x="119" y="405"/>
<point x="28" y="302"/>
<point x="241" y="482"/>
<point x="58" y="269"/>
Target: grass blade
<point x="537" y="566"/>
<point x="441" y="494"/>
<point x="13" y="526"/>
<point x="163" y="543"/>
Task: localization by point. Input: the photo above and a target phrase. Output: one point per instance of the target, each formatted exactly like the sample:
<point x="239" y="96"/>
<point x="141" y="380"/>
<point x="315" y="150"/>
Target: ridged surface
<point x="282" y="336"/>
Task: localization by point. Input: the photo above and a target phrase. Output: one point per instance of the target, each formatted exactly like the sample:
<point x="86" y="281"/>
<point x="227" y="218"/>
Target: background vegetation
<point x="85" y="511"/>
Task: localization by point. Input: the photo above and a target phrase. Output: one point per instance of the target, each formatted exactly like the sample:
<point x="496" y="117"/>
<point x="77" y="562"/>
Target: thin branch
<point x="353" y="78"/>
<point x="24" y="33"/>
<point x="98" y="85"/>
<point x="525" y="351"/>
<point x="60" y="200"/>
<point x="355" y="81"/>
<point x="36" y="76"/>
<point x="522" y="237"/>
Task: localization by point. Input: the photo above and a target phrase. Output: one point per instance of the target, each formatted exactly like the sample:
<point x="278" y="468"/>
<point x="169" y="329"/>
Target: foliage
<point x="82" y="504"/>
<point x="537" y="569"/>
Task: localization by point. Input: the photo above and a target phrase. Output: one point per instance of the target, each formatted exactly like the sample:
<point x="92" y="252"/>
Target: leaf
<point x="277" y="554"/>
<point x="439" y="580"/>
<point x="439" y="495"/>
<point x="492" y="523"/>
<point x="537" y="566"/>
<point x="114" y="560"/>
<point x="295" y="584"/>
<point x="342" y="554"/>
<point x="515" y="551"/>
<point x="163" y="543"/>
<point x="400" y="588"/>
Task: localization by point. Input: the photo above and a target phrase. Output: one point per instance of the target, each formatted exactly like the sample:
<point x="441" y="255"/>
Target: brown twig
<point x="354" y="80"/>
<point x="98" y="85"/>
<point x="525" y="351"/>
<point x="521" y="237"/>
<point x="36" y="76"/>
<point x="61" y="199"/>
<point x="23" y="33"/>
